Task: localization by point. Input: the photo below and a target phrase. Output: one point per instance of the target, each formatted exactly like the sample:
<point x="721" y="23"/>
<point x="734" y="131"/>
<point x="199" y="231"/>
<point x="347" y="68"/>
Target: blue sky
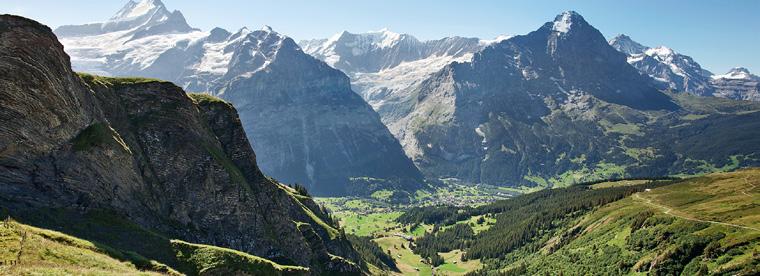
<point x="717" y="34"/>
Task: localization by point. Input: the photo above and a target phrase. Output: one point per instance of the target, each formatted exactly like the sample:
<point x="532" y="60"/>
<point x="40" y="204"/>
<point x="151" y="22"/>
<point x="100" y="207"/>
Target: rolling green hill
<point x="703" y="225"/>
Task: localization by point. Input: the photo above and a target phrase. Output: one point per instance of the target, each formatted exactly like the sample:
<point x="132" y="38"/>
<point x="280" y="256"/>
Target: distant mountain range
<point x="680" y="73"/>
<point x="384" y="66"/>
<point x="513" y="110"/>
<point x="305" y="123"/>
<point x="559" y="106"/>
<point x="553" y="107"/>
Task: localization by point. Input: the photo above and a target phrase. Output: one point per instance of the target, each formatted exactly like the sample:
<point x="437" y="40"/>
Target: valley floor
<point x="649" y="231"/>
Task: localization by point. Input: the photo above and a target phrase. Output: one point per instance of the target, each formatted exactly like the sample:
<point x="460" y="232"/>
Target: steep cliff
<point x="307" y="124"/>
<point x="143" y="149"/>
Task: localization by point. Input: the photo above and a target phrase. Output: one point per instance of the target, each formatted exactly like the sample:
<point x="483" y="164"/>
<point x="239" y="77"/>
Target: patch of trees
<point x="650" y="178"/>
<point x="300" y="189"/>
<point x="371" y="252"/>
<point x="457" y="237"/>
<point x="519" y="221"/>
<point x="442" y="215"/>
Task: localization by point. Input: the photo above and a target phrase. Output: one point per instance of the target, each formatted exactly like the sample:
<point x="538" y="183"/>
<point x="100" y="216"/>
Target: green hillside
<point x="102" y="244"/>
<point x="708" y="224"/>
<point x="27" y="250"/>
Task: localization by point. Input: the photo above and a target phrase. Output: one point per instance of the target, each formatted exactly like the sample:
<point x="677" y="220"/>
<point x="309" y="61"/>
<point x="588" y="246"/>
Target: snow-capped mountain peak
<point x="136" y="9"/>
<point x="497" y="39"/>
<point x="135" y="14"/>
<point x="385" y="38"/>
<point x="680" y="73"/>
<point x="738" y="83"/>
<point x="670" y="69"/>
<point x="662" y="52"/>
<point x="737" y="73"/>
<point x="564" y="21"/>
<point x="625" y="44"/>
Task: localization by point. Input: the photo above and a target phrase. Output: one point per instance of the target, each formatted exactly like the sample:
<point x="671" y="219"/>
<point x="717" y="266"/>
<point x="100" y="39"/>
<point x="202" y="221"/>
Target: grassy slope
<point x="707" y="224"/>
<point x="406" y="261"/>
<point x="44" y="252"/>
<point x="217" y="260"/>
<point x="102" y="244"/>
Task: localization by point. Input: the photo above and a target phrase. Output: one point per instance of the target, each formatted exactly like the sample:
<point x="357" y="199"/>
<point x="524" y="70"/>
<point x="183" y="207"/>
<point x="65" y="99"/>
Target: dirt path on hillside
<point x="668" y="212"/>
<point x="744" y="192"/>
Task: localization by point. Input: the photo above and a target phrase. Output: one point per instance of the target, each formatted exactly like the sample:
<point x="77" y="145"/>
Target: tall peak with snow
<point x="661" y="52"/>
<point x="136" y="9"/>
<point x="625" y="44"/>
<point x="564" y="22"/>
<point x="144" y="18"/>
<point x="738" y="83"/>
<point x="669" y="69"/>
<point x="737" y="73"/>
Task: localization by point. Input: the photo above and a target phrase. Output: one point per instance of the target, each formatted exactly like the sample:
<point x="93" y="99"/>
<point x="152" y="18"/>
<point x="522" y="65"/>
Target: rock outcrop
<point x="177" y="164"/>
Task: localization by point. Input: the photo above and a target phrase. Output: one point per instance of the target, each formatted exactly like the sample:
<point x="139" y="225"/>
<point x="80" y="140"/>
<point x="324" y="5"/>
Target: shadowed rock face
<point x="309" y="127"/>
<point x="554" y="107"/>
<point x="144" y="149"/>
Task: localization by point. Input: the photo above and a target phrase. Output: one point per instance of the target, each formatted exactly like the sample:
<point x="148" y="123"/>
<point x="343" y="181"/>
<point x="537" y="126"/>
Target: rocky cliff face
<point x="301" y="116"/>
<point x="306" y="123"/>
<point x="557" y="106"/>
<point x="144" y="149"/>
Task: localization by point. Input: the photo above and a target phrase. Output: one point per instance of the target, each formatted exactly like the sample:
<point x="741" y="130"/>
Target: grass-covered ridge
<point x="102" y="243"/>
<point x="200" y="98"/>
<point x="206" y="259"/>
<point x="116" y="81"/>
<point x="36" y="251"/>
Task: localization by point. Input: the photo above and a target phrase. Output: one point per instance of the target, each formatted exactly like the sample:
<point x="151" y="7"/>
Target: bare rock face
<point x="177" y="164"/>
<point x="307" y="124"/>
